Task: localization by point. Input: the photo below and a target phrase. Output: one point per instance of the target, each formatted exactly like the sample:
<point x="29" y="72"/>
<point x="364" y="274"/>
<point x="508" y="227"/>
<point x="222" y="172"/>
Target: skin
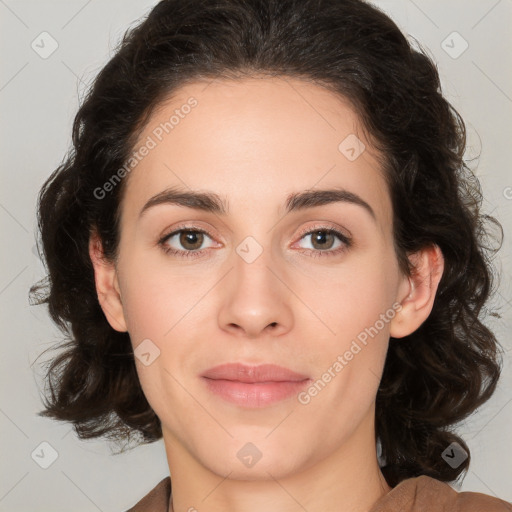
<point x="254" y="142"/>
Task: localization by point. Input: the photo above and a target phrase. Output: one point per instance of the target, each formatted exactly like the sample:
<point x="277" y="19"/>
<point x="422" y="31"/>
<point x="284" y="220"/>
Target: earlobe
<point x="418" y="298"/>
<point x="107" y="286"/>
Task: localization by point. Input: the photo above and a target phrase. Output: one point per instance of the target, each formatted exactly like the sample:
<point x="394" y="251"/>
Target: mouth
<point x="254" y="386"/>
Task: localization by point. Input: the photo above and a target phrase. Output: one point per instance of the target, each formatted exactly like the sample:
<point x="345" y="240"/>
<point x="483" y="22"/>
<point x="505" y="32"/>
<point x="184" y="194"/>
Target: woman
<point x="269" y="252"/>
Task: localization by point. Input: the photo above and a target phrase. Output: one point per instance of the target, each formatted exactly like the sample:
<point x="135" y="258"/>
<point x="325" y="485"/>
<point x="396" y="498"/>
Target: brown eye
<point x="322" y="239"/>
<point x="186" y="242"/>
<point x="191" y="240"/>
<point x="325" y="241"/>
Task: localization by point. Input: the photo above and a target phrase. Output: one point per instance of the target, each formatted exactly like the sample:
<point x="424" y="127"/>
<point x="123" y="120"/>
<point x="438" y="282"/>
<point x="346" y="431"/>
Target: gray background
<point x="38" y="100"/>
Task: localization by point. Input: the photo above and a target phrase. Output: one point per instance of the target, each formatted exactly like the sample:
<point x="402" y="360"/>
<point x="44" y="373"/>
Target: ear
<point x="417" y="292"/>
<point x="107" y="286"/>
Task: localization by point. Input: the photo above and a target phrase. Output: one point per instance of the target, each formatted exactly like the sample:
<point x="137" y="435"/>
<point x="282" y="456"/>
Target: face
<point x="262" y="277"/>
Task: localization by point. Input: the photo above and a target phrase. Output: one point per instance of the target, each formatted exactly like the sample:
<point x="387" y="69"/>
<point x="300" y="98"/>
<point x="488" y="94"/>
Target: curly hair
<point x="433" y="378"/>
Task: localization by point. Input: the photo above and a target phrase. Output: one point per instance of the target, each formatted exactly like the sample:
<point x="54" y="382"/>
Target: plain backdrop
<point x="39" y="96"/>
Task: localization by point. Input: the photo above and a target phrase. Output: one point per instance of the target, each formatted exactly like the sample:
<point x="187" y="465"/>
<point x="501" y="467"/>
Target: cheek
<point x="356" y="308"/>
<point x="349" y="360"/>
<point x="351" y="299"/>
<point x="157" y="297"/>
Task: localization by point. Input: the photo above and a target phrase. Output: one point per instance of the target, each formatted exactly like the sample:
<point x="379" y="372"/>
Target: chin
<point x="258" y="460"/>
<point x="263" y="470"/>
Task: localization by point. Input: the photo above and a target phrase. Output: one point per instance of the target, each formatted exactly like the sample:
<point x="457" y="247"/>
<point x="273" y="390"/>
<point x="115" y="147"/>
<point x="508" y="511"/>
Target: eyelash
<point x="346" y="241"/>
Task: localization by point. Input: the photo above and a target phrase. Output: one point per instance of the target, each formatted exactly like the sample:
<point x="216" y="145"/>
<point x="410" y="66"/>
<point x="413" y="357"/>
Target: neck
<point x="349" y="480"/>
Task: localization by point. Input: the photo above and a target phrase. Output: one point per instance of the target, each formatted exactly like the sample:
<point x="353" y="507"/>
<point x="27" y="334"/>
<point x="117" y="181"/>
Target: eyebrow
<point x="213" y="203"/>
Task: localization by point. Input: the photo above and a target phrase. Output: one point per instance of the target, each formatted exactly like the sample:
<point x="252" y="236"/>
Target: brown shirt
<point x="421" y="494"/>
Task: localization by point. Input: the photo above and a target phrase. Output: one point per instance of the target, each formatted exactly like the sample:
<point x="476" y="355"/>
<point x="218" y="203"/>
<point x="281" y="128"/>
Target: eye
<point x="189" y="240"/>
<point x="326" y="241"/>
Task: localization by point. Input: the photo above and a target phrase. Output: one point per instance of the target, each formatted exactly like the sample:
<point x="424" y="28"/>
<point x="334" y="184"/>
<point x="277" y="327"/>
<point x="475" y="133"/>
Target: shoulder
<point x="422" y="494"/>
<point x="157" y="500"/>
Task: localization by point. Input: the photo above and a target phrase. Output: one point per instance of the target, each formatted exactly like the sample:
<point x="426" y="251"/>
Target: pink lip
<point x="254" y="386"/>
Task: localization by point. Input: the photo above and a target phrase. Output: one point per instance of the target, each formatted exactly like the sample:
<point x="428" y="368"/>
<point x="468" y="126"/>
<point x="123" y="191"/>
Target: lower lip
<point x="254" y="395"/>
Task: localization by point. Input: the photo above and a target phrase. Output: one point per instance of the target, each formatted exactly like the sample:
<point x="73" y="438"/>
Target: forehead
<point x="254" y="141"/>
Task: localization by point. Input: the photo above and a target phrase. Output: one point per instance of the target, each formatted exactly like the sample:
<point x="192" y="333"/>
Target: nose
<point x="255" y="299"/>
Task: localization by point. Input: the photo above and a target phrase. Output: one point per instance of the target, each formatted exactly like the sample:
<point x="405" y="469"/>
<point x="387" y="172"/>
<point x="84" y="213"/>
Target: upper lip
<point x="247" y="373"/>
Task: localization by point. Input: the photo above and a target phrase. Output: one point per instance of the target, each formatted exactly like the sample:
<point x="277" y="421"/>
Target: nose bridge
<point x="252" y="263"/>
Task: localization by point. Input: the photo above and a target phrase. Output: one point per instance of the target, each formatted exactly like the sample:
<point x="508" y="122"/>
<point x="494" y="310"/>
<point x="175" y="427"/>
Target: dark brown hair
<point x="433" y="378"/>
